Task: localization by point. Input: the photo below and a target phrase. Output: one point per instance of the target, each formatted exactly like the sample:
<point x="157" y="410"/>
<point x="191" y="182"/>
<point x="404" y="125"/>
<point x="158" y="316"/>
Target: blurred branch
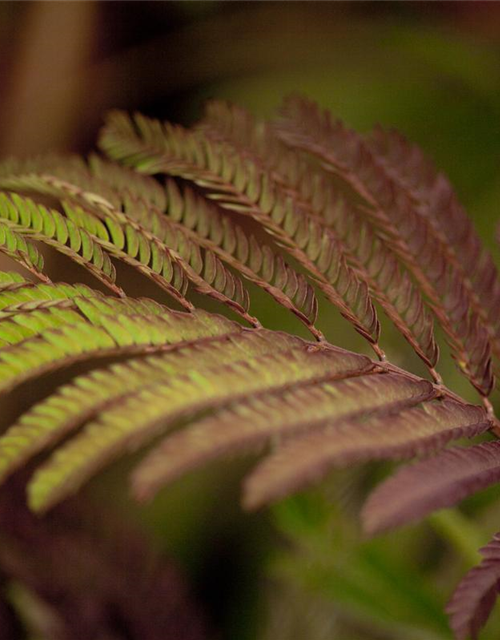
<point x="42" y="107"/>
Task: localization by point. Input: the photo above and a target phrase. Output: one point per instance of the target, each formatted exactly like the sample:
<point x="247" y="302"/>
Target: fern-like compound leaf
<point x="307" y="459"/>
<point x="238" y="184"/>
<point x="473" y="599"/>
<point x="142" y="415"/>
<point x="52" y="228"/>
<point x="83" y="398"/>
<point x="435" y="195"/>
<point x="273" y="416"/>
<point x="432" y="262"/>
<point x="440" y="481"/>
<point x="372" y="258"/>
<point x="363" y="220"/>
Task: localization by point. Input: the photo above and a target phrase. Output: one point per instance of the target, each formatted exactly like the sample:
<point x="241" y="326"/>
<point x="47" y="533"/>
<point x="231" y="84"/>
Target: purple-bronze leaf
<point x="308" y="459"/>
<point x="440" y="481"/>
<point x="272" y="416"/>
<point x="473" y="599"/>
<point x="422" y="247"/>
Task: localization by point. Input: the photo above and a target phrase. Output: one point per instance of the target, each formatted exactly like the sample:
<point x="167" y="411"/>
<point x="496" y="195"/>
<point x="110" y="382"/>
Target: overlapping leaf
<point x="473" y="600"/>
<point x="372" y="258"/>
<point x="424" y="250"/>
<point x="51" y="339"/>
<point x="20" y="249"/>
<point x="239" y="184"/>
<point x="306" y="459"/>
<point x="273" y="416"/>
<point x="226" y="389"/>
<point x="52" y="228"/>
<point x="255" y="261"/>
<point x="431" y="484"/>
<point x="152" y="408"/>
<point x="434" y="193"/>
<point x="204" y="238"/>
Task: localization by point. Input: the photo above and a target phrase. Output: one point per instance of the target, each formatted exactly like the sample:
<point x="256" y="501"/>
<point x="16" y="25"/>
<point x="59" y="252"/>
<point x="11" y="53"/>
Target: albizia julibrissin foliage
<point x="299" y="206"/>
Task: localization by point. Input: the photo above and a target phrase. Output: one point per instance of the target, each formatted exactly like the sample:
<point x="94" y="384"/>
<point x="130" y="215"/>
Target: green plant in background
<point x="294" y="206"/>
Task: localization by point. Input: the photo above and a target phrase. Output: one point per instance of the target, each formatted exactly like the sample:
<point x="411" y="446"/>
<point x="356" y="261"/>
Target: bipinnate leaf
<point x="433" y="191"/>
<point x="391" y="208"/>
<point x="308" y="458"/>
<point x="271" y="417"/>
<point x="473" y="599"/>
<point x="140" y="416"/>
<point x="83" y="398"/>
<point x="372" y="258"/>
<point x="363" y="220"/>
<point x="239" y="184"/>
<point x="431" y="484"/>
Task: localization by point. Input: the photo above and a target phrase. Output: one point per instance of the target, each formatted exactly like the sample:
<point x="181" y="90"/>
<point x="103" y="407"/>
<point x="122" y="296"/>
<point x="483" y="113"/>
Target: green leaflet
<point x="11" y="280"/>
<point x="272" y="417"/>
<point x="238" y="184"/>
<point x="52" y="228"/>
<point x="140" y="416"/>
<point x="58" y="337"/>
<point x="20" y="249"/>
<point x="83" y="398"/>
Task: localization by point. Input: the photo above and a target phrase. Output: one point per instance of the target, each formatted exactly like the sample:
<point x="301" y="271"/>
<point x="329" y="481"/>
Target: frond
<point x="275" y="416"/>
<point x="441" y="481"/>
<point x="153" y="408"/>
<point x="87" y="395"/>
<point x="307" y="459"/>
<point x="257" y="386"/>
<point x="408" y="165"/>
<point x="392" y="210"/>
<point x="473" y="600"/>
<point x="364" y="220"/>
<point x="52" y="228"/>
<point x="238" y="184"/>
<point x="372" y="258"/>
